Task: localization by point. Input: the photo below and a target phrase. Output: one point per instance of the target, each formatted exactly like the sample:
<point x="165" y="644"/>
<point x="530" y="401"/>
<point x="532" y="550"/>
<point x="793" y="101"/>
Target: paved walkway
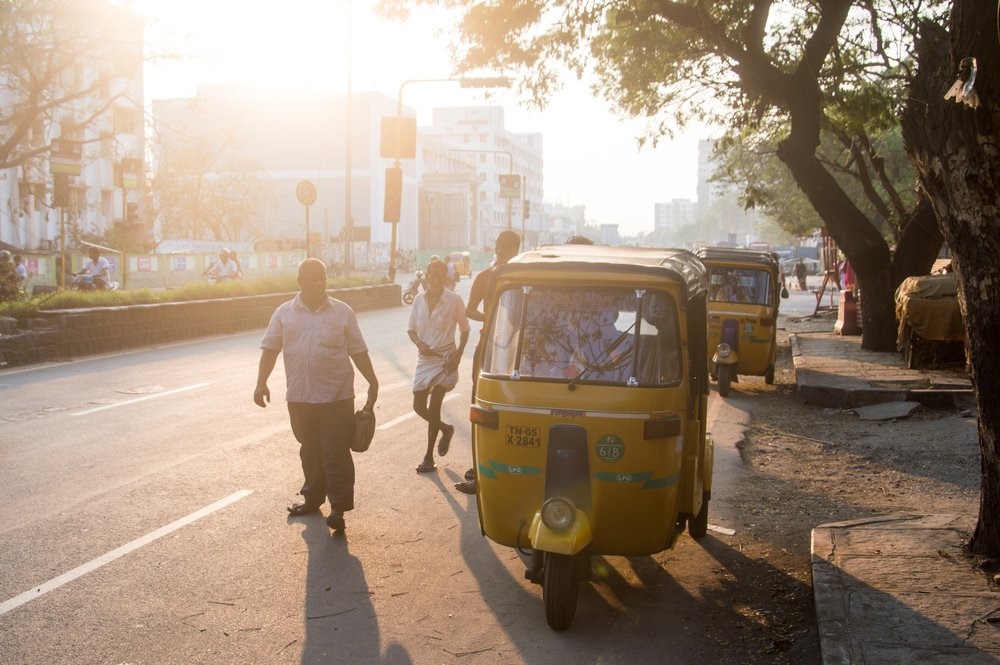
<point x="895" y="589"/>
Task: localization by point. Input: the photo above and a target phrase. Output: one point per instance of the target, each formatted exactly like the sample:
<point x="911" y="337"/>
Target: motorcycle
<point x="413" y="288"/>
<point x="85" y="282"/>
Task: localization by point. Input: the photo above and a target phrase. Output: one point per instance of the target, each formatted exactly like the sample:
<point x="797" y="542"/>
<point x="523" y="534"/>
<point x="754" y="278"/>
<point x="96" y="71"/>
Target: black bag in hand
<point x="364" y="430"/>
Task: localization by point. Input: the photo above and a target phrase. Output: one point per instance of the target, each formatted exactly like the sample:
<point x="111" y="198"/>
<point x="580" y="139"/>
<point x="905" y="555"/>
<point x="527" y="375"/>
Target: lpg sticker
<point x="521" y="436"/>
<point x="624" y="476"/>
<point x="610" y="448"/>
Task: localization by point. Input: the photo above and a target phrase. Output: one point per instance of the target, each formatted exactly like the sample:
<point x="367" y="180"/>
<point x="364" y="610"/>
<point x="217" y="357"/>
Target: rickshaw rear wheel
<point x="769" y="375"/>
<point x="560" y="588"/>
<point x="725" y="378"/>
<point x="698" y="525"/>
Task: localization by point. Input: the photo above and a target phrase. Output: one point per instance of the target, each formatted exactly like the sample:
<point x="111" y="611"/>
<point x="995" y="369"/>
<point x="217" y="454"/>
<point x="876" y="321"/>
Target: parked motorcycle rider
<point x="99" y="270"/>
<point x="224" y="269"/>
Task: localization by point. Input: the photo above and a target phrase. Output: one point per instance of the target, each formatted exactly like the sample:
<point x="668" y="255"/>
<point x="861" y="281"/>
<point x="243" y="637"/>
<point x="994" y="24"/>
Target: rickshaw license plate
<point x="524" y="437"/>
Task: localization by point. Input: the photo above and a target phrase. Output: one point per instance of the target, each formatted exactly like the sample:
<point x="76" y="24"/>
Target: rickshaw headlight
<point x="558" y="513"/>
<point x="724" y="350"/>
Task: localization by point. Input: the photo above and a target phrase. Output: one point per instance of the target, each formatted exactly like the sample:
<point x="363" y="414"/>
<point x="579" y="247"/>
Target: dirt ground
<point x="808" y="465"/>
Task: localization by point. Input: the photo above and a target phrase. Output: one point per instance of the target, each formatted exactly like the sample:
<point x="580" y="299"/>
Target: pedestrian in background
<point x="236" y="261"/>
<point x="800" y="274"/>
<point x="508" y="244"/>
<point x="319" y="337"/>
<point x="20" y="269"/>
<point x="435" y="315"/>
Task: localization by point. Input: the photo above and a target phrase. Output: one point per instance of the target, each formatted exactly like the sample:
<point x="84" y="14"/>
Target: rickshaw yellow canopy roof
<point x="676" y="264"/>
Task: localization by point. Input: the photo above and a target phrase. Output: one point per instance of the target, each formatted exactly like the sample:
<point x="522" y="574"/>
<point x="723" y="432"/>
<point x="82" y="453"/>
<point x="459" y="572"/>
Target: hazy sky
<point x="591" y="157"/>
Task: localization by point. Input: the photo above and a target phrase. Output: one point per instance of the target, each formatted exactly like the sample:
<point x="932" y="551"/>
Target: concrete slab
<point x="899" y="589"/>
<point x="887" y="410"/>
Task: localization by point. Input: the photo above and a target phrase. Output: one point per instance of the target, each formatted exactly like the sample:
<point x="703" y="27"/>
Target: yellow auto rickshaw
<point x="743" y="296"/>
<point x="589" y="411"/>
<point x="463" y="264"/>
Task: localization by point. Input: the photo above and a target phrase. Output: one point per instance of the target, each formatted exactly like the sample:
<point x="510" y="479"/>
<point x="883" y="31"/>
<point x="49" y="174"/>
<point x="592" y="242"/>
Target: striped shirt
<point x="316" y="347"/>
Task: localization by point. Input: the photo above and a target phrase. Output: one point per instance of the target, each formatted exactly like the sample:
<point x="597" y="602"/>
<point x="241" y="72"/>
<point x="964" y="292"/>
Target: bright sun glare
<point x="590" y="158"/>
<point x="301" y="43"/>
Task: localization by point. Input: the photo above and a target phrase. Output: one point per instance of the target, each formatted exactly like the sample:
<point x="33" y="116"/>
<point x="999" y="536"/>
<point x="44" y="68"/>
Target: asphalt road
<point x="142" y="520"/>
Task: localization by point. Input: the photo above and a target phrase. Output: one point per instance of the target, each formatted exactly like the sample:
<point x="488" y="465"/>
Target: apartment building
<point x="78" y="166"/>
<point x="477" y="143"/>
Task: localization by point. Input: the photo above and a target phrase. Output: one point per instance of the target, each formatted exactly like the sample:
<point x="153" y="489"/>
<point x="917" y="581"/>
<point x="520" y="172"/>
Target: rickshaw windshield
<point x="742" y="285"/>
<point x="580" y="334"/>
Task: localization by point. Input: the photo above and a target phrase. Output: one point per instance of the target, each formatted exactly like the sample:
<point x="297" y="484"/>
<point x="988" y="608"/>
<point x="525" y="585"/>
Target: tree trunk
<point x="854" y="234"/>
<point x="957" y="154"/>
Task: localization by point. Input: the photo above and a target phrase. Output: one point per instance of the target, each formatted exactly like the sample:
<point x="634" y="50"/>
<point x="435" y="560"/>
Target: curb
<point x="853" y="392"/>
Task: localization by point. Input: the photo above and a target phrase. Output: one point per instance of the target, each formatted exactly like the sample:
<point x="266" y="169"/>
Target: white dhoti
<point x="431" y="372"/>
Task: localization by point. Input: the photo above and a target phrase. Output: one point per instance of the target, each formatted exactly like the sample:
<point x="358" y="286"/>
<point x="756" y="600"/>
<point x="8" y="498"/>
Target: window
<point x="125" y="120"/>
<point x="618" y="336"/>
<point x="108" y="204"/>
<point x="740" y="285"/>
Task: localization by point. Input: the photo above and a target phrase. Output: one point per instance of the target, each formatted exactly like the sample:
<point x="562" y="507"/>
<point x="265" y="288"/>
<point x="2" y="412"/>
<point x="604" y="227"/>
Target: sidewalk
<point x="895" y="589"/>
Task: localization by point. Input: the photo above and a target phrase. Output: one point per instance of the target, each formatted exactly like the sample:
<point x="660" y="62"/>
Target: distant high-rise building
<point x="672" y="215"/>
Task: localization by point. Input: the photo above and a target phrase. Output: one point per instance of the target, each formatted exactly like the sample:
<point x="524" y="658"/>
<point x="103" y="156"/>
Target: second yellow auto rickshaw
<point x="589" y="410"/>
<point x="743" y="296"/>
<point x="463" y="264"/>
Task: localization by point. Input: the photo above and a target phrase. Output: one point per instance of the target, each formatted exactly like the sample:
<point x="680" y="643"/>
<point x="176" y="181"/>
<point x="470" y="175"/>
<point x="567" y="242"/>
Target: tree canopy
<point x="60" y="61"/>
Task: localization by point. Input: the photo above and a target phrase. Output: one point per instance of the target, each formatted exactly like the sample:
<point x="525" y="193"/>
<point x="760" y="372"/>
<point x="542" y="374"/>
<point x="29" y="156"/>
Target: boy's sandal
<point x="426" y="468"/>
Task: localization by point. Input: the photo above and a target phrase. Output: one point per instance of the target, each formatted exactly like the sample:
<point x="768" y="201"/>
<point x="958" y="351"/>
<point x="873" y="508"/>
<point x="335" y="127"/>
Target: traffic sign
<point x="510" y="186"/>
<point x="66" y="157"/>
<point x="306" y="192"/>
<point x="398" y="137"/>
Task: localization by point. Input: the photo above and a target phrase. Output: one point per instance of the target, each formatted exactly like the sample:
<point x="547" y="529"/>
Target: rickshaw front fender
<point x="571" y="541"/>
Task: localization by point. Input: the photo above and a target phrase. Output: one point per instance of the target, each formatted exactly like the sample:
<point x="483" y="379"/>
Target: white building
<point x="562" y="222"/>
<point x="96" y="99"/>
<point x="670" y="216"/>
<point x="718" y="203"/>
<point x="476" y="136"/>
<point x="290" y="138"/>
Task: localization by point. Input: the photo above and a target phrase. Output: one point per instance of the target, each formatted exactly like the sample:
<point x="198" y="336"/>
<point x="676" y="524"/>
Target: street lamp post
<point x="465" y="82"/>
<point x="348" y="218"/>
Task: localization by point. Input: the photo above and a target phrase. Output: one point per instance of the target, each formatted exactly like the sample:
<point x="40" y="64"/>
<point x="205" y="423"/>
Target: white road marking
<point x="411" y="414"/>
<point x="138" y="399"/>
<point x="93" y="565"/>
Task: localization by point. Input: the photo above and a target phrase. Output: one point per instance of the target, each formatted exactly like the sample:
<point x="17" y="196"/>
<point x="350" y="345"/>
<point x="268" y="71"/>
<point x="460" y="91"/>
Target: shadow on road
<point x="340" y="622"/>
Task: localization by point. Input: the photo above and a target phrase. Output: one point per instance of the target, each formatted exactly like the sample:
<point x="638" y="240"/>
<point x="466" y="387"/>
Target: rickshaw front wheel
<point x="769" y="375"/>
<point x="725" y="378"/>
<point x="560" y="588"/>
<point x="698" y="525"/>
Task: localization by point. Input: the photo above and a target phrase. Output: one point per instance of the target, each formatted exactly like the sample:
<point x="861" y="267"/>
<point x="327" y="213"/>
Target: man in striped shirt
<point x="319" y="338"/>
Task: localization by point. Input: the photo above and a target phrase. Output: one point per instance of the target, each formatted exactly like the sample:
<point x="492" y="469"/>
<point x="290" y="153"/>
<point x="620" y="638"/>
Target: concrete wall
<point x="64" y="334"/>
<point x="159" y="271"/>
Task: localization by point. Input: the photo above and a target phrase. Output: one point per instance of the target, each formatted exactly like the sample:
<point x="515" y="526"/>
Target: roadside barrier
<point x="62" y="334"/>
